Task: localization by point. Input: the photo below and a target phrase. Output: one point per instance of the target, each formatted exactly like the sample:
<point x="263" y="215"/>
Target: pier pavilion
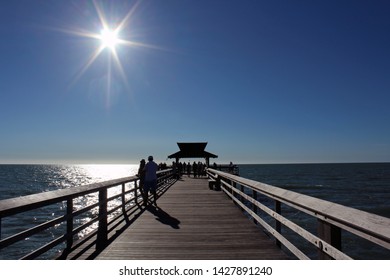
<point x="192" y="150"/>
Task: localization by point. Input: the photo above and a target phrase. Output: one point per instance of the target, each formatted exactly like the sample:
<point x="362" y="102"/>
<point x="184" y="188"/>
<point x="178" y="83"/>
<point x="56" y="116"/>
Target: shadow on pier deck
<point x="192" y="222"/>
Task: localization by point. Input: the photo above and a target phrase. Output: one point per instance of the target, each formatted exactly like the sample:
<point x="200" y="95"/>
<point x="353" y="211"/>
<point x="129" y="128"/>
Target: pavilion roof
<point x="192" y="150"/>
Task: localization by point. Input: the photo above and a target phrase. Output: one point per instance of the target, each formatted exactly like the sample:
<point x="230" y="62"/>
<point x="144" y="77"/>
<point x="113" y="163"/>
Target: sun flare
<point x="109" y="38"/>
<point x="110" y="42"/>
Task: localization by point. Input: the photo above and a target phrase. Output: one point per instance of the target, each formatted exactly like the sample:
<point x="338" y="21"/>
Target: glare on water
<point x="107" y="171"/>
<point x="99" y="173"/>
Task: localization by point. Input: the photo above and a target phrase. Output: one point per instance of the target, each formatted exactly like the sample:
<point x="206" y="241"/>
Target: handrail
<point x="331" y="217"/>
<point x="19" y="205"/>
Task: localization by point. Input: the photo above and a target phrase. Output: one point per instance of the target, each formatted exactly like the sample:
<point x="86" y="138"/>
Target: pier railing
<point x="264" y="203"/>
<point x="112" y="202"/>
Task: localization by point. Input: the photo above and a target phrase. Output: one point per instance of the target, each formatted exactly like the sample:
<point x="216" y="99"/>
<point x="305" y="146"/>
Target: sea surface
<point x="21" y="180"/>
<point x="365" y="186"/>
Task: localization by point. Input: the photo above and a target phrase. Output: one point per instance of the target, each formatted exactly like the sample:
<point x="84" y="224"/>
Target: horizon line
<point x="136" y="163"/>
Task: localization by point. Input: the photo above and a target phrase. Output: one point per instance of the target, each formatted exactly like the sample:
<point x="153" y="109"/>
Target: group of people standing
<point x="197" y="169"/>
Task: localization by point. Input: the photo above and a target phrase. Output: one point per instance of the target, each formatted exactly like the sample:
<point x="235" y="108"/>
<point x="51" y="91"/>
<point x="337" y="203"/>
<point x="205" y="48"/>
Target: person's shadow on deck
<point x="163" y="217"/>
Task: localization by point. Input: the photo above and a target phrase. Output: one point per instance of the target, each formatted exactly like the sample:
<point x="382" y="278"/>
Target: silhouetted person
<point x="141" y="175"/>
<point x="188" y="169"/>
<point x="200" y="169"/>
<point x="231" y="167"/>
<point x="195" y="169"/>
<point x="151" y="178"/>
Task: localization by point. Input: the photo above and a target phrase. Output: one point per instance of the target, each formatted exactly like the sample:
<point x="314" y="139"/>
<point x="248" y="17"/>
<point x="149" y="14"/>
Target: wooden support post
<point x="136" y="191"/>
<point x="254" y="207"/>
<point x="69" y="223"/>
<point x="330" y="234"/>
<point x="102" y="234"/>
<point x="124" y="202"/>
<point x="232" y="187"/>
<point x="229" y="186"/>
<point x="278" y="225"/>
<point x="123" y="195"/>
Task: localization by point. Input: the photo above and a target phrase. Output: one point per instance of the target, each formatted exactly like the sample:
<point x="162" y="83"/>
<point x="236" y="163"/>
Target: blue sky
<point x="260" y="81"/>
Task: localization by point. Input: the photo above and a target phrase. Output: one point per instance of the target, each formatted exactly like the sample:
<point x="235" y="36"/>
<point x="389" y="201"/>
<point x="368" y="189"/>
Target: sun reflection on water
<point x="104" y="172"/>
<point x="93" y="173"/>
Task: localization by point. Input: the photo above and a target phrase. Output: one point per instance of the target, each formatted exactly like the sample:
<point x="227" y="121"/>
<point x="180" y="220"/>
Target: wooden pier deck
<point x="192" y="222"/>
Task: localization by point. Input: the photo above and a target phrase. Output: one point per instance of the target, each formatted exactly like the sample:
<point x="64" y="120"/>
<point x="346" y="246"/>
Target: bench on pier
<point x="212" y="184"/>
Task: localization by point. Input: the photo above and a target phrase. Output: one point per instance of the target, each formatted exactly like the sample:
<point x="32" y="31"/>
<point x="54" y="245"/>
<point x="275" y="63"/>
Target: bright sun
<point x="109" y="38"/>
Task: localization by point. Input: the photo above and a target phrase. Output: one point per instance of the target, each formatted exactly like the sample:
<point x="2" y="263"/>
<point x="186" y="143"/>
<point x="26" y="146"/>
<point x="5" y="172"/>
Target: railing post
<point x="136" y="191"/>
<point x="254" y="207"/>
<point x="160" y="180"/>
<point x="278" y="225"/>
<point x="232" y="186"/>
<point x="69" y="223"/>
<point x="123" y="195"/>
<point x="102" y="234"/>
<point x="229" y="187"/>
<point x="124" y="202"/>
<point x="330" y="234"/>
<point x="242" y="189"/>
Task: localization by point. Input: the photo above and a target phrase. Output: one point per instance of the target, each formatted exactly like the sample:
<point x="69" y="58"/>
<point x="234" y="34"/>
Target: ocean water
<point x="365" y="186"/>
<point x="362" y="186"/>
<point x="21" y="180"/>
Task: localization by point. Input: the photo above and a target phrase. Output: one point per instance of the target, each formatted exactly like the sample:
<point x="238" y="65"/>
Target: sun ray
<point x="109" y="73"/>
<point x="120" y="68"/>
<point x="128" y="16"/>
<point x="100" y="15"/>
<point x="75" y="31"/>
<point x="90" y="61"/>
<point x="141" y="45"/>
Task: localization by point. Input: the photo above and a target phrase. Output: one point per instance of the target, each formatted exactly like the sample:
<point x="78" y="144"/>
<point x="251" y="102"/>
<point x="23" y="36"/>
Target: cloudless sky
<point x="260" y="81"/>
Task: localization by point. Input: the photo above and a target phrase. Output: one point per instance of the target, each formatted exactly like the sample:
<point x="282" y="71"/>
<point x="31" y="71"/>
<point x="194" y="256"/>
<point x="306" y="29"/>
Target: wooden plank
<point x="193" y="222"/>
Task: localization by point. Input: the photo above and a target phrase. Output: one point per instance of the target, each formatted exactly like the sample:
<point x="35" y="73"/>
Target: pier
<point x="221" y="216"/>
<point x="192" y="222"/>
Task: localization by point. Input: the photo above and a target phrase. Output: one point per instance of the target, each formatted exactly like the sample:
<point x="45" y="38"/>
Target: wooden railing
<point x="107" y="216"/>
<point x="331" y="218"/>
